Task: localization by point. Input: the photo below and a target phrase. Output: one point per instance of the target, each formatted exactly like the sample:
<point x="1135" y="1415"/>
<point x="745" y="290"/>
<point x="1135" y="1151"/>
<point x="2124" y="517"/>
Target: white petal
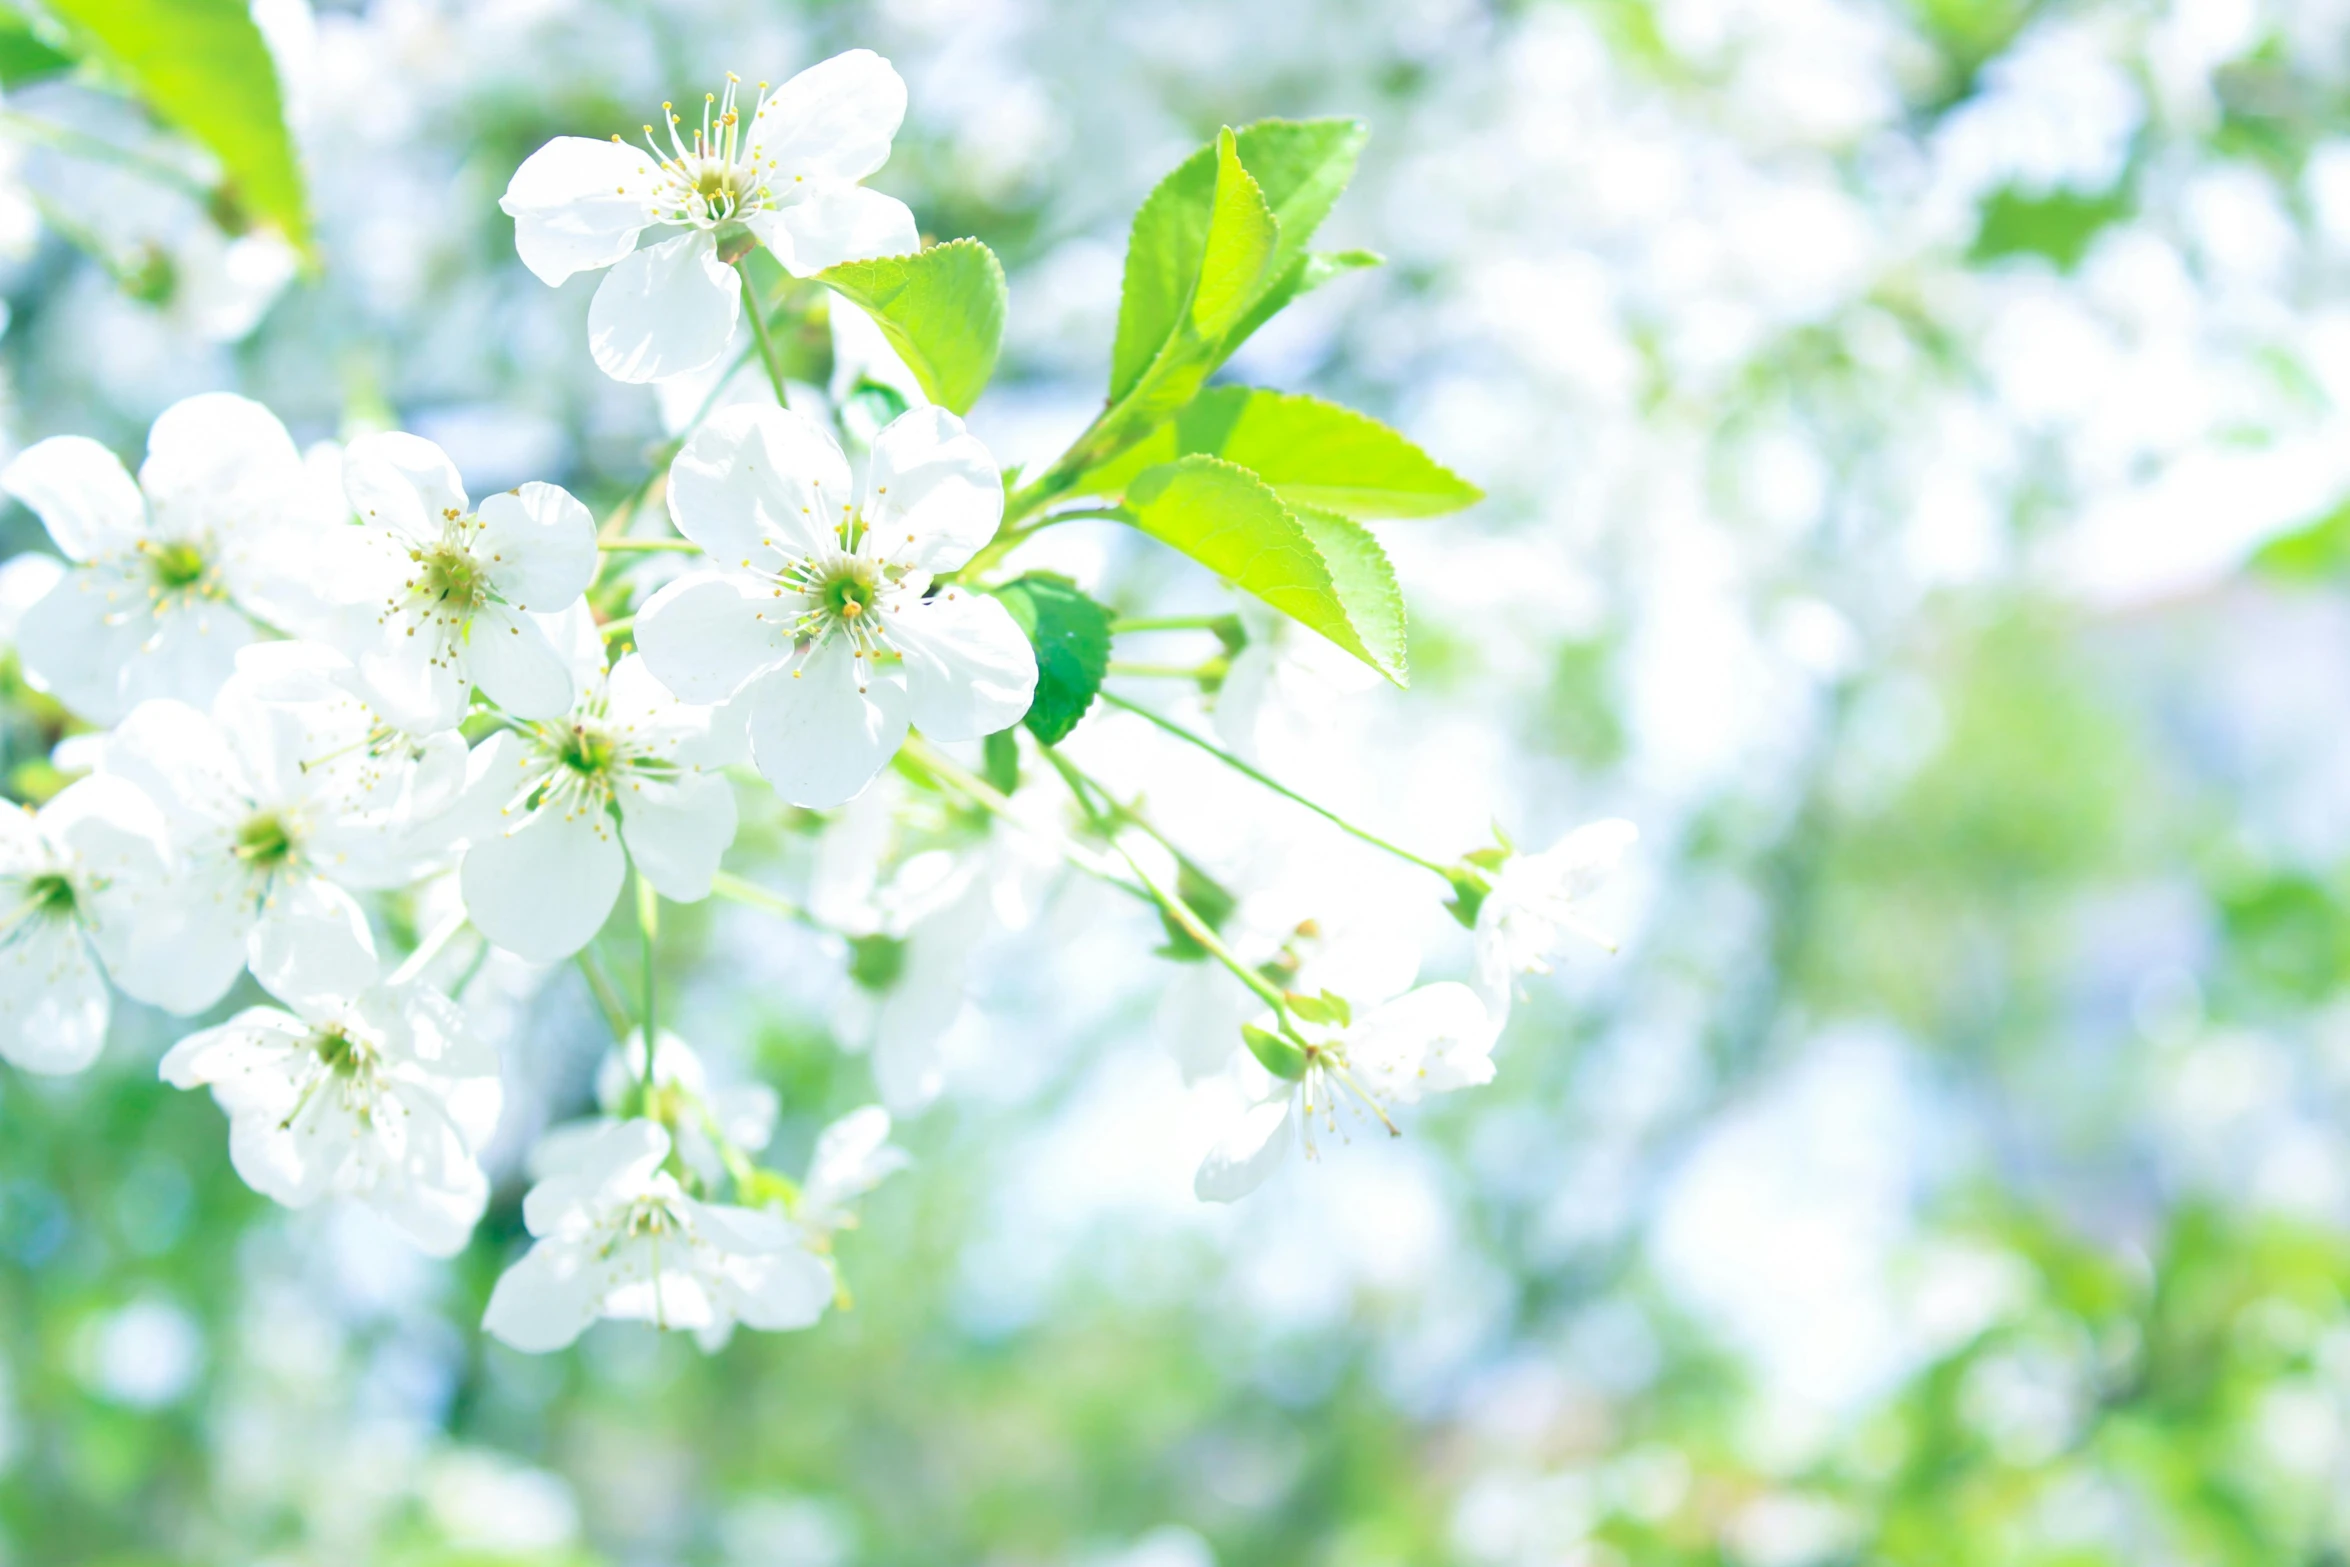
<point x="666" y="310"/>
<point x="853" y="1155"/>
<point x="1431" y="1041"/>
<point x="402" y="482"/>
<point x="25" y="580"/>
<point x="514" y="661"/>
<point x="817" y="738"/>
<point x="577" y="204"/>
<point x="82" y="494"/>
<point x="677" y="833"/>
<point x="833" y="121"/>
<point x="80" y="643"/>
<point x="547" y="1299"/>
<point x="436" y="1215"/>
<point x="181" y="944"/>
<point x="704" y="636"/>
<point x="249" y="1048"/>
<point x="542" y="889"/>
<point x="418" y="682"/>
<point x="182" y="760"/>
<point x="756" y="484"/>
<point x="189" y="653"/>
<point x="780" y="1292"/>
<point x="970" y="670"/>
<point x="933" y="495"/>
<point x="218" y="462"/>
<point x="1248" y="1153"/>
<point x="837" y="223"/>
<point x="1578" y="864"/>
<point x="53" y="1002"/>
<point x="311" y="943"/>
<point x="539" y="545"/>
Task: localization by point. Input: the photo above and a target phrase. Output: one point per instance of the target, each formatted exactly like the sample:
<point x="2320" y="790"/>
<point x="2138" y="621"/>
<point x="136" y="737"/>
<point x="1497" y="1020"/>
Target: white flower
<point x="1535" y="902"/>
<point x="1429" y="1041"/>
<point x="454" y="596"/>
<point x="853" y="1155"/>
<point x="272" y="810"/>
<point x="618" y="1237"/>
<point x="817" y="616"/>
<point x="786" y="179"/>
<point x="383" y="1096"/>
<point x="71" y="876"/>
<point x="556" y="800"/>
<point x="171" y="572"/>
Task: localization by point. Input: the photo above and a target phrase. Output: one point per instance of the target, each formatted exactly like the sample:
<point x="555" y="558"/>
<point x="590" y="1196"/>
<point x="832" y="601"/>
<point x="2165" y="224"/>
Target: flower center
<point x="342" y="1054"/>
<point x="711" y="176"/>
<point x="264" y="841"/>
<point x="451" y="576"/>
<point x="48" y="895"/>
<point x="850" y="595"/>
<point x="587" y="752"/>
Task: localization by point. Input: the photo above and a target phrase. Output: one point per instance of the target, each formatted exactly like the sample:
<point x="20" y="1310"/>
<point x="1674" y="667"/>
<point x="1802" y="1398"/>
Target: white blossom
<point x="274" y="811"/>
<point x="1536" y="901"/>
<point x="853" y="1155"/>
<point x="618" y="1237"/>
<point x="447" y="597"/>
<point x="1428" y="1041"/>
<point x="72" y="877"/>
<point x="383" y="1096"/>
<point x="817" y="616"/>
<point x="786" y="177"/>
<point x="170" y="573"/>
<point x="556" y="801"/>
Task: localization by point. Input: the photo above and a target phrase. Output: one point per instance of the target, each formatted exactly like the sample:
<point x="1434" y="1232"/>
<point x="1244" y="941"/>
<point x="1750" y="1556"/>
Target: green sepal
<point x="1000" y="761"/>
<point x="1277" y="1055"/>
<point x="876" y="961"/>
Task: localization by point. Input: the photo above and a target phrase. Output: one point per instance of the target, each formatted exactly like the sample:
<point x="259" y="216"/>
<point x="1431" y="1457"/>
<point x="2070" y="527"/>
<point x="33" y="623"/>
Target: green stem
<point x="1214" y="666"/>
<point x="622" y="626"/>
<point x="1217" y="623"/>
<point x="1009" y="538"/>
<point x="607" y="998"/>
<point x="649" y="546"/>
<point x="758" y="315"/>
<point x="1172" y="905"/>
<point x="1246" y="771"/>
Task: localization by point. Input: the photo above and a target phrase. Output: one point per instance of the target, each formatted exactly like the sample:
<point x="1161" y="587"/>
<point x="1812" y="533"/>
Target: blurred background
<point x="1917" y="440"/>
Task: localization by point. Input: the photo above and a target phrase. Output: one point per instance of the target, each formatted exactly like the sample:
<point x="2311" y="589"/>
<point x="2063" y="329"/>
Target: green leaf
<point x="1311" y="452"/>
<point x="1231" y="522"/>
<point x="2059" y="225"/>
<point x="1365" y="585"/>
<point x="1071" y="635"/>
<point x="2316" y="552"/>
<point x="1276" y="1055"/>
<point x="1299" y="167"/>
<point x="1302" y="276"/>
<point x="942" y="309"/>
<point x="27" y="53"/>
<point x="201" y="65"/>
<point x="1240" y="241"/>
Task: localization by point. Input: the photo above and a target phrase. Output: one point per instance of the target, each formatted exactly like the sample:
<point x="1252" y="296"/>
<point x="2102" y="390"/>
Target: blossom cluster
<point x="311" y="688"/>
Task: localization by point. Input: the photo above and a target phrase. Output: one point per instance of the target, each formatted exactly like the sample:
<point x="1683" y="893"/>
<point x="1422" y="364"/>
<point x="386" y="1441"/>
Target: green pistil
<point x="588" y="752"/>
<point x="264" y="841"/>
<point x="48" y="896"/>
<point x="842" y="592"/>
<point x="451" y="576"/>
<point x="177" y="565"/>
<point x="339" y="1051"/>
